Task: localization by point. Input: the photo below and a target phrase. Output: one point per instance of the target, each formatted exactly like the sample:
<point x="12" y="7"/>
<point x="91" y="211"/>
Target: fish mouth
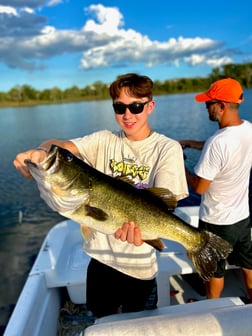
<point x="49" y="164"/>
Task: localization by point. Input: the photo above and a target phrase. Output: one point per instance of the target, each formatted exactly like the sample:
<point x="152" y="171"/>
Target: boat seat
<point x="219" y="317"/>
<point x="194" y="307"/>
<point x="190" y="214"/>
<point x="63" y="260"/>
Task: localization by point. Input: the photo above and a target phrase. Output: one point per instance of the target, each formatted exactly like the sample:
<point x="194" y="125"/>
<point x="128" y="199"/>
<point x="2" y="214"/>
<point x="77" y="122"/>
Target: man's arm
<point x="192" y="144"/>
<point x="199" y="184"/>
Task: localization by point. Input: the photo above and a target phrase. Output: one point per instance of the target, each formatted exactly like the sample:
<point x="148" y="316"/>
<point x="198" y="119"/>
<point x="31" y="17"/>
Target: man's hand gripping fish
<point x="103" y="203"/>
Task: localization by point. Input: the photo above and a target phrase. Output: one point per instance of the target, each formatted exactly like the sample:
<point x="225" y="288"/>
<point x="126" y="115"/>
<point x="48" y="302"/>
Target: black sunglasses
<point x="209" y="103"/>
<point x="135" y="108"/>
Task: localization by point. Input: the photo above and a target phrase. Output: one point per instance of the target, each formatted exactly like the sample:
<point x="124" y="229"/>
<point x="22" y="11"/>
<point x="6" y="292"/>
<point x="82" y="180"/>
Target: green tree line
<point x="27" y="95"/>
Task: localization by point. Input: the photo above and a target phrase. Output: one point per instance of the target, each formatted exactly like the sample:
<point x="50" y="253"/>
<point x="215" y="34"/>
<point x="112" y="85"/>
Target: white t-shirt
<point x="155" y="161"/>
<point x="226" y="160"/>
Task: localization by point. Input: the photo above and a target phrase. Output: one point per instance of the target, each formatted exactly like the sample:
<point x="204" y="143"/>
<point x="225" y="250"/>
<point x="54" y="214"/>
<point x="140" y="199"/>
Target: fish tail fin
<point x="211" y="249"/>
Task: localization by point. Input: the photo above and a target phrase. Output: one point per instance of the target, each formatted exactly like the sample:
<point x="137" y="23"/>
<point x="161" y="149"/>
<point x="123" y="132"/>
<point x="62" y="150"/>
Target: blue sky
<point x="48" y="43"/>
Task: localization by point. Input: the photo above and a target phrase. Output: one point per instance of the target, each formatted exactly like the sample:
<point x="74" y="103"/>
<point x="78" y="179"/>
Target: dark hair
<point x="134" y="84"/>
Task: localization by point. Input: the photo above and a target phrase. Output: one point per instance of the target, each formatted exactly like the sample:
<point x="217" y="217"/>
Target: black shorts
<point x="239" y="236"/>
<point x="109" y="291"/>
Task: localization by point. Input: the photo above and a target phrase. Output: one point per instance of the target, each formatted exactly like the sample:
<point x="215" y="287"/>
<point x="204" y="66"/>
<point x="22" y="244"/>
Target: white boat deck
<point x="61" y="267"/>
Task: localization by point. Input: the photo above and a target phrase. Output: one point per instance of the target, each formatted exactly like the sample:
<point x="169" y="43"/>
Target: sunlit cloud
<point x="8" y="10"/>
<point x="129" y="46"/>
<point x="102" y="41"/>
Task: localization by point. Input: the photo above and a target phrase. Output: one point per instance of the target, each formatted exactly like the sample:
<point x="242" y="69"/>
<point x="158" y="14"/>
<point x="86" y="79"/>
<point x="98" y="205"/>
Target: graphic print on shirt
<point x="128" y="167"/>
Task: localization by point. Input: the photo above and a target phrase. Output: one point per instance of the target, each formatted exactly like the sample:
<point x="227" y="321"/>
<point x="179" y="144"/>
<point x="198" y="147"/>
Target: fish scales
<point x="115" y="200"/>
<point x="153" y="221"/>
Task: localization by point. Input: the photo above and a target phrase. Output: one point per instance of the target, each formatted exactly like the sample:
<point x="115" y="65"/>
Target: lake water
<point x="24" y="217"/>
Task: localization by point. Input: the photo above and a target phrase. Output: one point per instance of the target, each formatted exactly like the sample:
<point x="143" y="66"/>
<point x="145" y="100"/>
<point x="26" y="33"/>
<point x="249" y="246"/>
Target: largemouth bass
<point x="100" y="202"/>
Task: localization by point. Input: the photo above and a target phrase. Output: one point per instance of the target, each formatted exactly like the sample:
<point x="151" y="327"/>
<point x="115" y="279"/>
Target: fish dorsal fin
<point x="125" y="179"/>
<point x="167" y="197"/>
<point x="158" y="244"/>
<point x="96" y="213"/>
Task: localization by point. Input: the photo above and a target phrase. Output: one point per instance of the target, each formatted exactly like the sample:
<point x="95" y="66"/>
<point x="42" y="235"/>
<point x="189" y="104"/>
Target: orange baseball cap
<point x="227" y="90"/>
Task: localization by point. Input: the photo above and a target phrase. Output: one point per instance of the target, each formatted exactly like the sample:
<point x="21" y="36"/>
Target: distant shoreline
<point x="26" y="95"/>
<point x="38" y="103"/>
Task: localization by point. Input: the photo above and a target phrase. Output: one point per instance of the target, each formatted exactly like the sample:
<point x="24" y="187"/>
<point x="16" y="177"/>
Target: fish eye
<point x="69" y="157"/>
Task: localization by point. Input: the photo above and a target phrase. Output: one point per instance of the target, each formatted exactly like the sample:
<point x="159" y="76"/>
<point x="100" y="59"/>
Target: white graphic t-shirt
<point x="153" y="162"/>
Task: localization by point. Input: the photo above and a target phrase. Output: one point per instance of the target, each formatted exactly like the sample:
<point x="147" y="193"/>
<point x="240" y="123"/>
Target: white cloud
<point x="103" y="41"/>
<point x="109" y="19"/>
<point x="129" y="46"/>
<point x="219" y="61"/>
<point x="197" y="59"/>
<point x="54" y="2"/>
<point x="8" y="10"/>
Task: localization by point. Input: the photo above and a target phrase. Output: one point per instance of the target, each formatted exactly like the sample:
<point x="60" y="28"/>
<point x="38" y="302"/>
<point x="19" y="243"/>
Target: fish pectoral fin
<point x="87" y="232"/>
<point x="158" y="244"/>
<point x="165" y="195"/>
<point x="96" y="213"/>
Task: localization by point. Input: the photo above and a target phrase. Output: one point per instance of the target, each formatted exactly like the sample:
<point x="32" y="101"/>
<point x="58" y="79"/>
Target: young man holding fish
<point x="121" y="275"/>
<point x="222" y="178"/>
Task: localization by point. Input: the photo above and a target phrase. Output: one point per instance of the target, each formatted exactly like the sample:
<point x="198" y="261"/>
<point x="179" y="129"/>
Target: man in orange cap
<point x="227" y="90"/>
<point x="222" y="178"/>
